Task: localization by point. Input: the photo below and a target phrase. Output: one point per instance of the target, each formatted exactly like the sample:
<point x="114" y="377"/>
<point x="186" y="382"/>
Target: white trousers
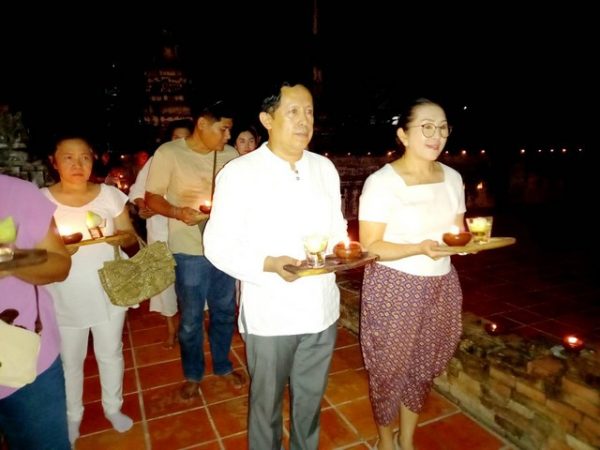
<point x="108" y="349"/>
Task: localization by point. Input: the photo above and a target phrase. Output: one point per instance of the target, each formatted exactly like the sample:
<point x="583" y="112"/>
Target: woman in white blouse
<point x="411" y="299"/>
<point x="80" y="301"/>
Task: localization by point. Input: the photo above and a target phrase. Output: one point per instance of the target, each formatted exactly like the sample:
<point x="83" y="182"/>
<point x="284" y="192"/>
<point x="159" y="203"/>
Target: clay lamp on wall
<point x="573" y="344"/>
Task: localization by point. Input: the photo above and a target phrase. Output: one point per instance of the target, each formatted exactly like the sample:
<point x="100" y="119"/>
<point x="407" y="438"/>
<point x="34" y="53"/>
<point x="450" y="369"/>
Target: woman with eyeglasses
<point x="411" y="298"/>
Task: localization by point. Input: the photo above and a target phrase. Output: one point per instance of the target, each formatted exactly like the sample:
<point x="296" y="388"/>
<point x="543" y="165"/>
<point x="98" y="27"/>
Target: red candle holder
<point x="348" y="250"/>
<point x="206" y="207"/>
<point x="457" y="239"/>
<point x="573" y="343"/>
<point x="72" y="238"/>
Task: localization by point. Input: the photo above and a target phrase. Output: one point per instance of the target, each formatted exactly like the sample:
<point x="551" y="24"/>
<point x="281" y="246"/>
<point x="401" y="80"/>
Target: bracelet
<point x="174" y="210"/>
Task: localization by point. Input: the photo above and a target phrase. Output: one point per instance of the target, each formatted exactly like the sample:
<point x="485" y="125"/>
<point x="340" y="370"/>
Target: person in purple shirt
<point x="35" y="415"/>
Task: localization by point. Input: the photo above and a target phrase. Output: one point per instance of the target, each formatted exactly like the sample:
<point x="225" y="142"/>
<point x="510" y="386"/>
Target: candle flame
<point x="65" y="230"/>
<point x="207" y="203"/>
<point x="454" y="229"/>
<point x="493" y="326"/>
<point x="572" y="340"/>
<point x="346" y="242"/>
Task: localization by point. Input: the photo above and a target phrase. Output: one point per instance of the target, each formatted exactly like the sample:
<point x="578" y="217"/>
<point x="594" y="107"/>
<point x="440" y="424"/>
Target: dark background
<point x="528" y="80"/>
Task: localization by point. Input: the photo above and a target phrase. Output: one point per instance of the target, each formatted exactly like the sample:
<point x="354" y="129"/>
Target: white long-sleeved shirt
<point x="264" y="208"/>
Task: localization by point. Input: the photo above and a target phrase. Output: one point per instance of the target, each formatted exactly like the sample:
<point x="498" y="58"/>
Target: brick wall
<point x="524" y="392"/>
<point x="353" y="171"/>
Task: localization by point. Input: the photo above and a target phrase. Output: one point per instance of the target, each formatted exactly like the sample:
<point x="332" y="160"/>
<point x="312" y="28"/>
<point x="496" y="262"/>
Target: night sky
<point x="527" y="82"/>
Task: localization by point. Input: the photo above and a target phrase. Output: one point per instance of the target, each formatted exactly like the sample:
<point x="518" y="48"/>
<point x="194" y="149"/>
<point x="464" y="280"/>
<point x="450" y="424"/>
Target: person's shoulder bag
<point x="19" y="348"/>
<point x="130" y="281"/>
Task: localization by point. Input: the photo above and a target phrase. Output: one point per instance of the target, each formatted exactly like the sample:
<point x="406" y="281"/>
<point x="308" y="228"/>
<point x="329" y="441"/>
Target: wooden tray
<point x="332" y="264"/>
<point x="495" y="242"/>
<point x="25" y="257"/>
<point x="105" y="239"/>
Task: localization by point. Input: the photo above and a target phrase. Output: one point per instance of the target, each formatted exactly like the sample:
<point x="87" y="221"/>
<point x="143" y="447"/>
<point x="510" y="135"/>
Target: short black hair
<point x="272" y="98"/>
<point x="220" y="109"/>
<point x="67" y="135"/>
<point x="181" y="123"/>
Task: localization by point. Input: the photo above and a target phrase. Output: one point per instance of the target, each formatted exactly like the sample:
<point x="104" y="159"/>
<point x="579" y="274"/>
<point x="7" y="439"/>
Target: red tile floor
<point x="217" y="419"/>
<point x="544" y="286"/>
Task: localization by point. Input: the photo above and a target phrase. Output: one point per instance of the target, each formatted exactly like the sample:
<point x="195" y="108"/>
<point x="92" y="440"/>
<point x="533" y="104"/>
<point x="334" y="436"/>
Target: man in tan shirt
<point x="181" y="179"/>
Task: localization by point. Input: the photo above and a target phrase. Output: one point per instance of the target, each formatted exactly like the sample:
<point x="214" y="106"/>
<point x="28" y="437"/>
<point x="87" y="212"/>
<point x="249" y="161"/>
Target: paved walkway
<point x="544" y="286"/>
<point x="217" y="419"/>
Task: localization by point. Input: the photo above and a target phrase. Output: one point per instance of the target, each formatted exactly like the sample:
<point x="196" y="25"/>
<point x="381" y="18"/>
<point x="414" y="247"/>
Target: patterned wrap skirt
<point x="409" y="328"/>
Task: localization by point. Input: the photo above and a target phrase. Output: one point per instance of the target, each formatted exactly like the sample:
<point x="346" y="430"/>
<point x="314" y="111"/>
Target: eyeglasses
<point x="428" y="129"/>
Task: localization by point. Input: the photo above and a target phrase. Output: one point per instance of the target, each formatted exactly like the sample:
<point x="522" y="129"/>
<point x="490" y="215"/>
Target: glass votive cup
<point x="480" y="228"/>
<point x="7" y="252"/>
<point x="314" y="247"/>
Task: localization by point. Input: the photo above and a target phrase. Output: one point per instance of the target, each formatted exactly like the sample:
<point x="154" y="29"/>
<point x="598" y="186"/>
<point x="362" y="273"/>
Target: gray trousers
<point x="303" y="359"/>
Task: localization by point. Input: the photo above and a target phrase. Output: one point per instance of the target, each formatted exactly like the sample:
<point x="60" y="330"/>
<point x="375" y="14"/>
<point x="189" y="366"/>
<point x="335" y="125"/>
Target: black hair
<point x="59" y="138"/>
<point x="221" y="109"/>
<point x="272" y="99"/>
<point x="237" y="129"/>
<point x="181" y="123"/>
<point x="407" y="114"/>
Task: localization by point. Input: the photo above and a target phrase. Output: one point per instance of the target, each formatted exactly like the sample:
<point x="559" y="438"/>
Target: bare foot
<point x="189" y="390"/>
<point x="236" y="378"/>
<point x="170" y="342"/>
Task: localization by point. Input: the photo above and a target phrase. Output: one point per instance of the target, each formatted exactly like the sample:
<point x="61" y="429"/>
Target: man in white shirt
<point x="265" y="203"/>
<point x="180" y="180"/>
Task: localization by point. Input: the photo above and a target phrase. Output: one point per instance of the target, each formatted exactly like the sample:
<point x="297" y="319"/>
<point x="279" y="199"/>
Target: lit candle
<point x="573" y="343"/>
<point x="347" y="249"/>
<point x="72" y="238"/>
<point x="206" y="207"/>
<point x="481" y="228"/>
<point x="493" y="328"/>
<point x="456" y="237"/>
<point x="69" y="236"/>
<point x="65" y="230"/>
<point x="479" y="224"/>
